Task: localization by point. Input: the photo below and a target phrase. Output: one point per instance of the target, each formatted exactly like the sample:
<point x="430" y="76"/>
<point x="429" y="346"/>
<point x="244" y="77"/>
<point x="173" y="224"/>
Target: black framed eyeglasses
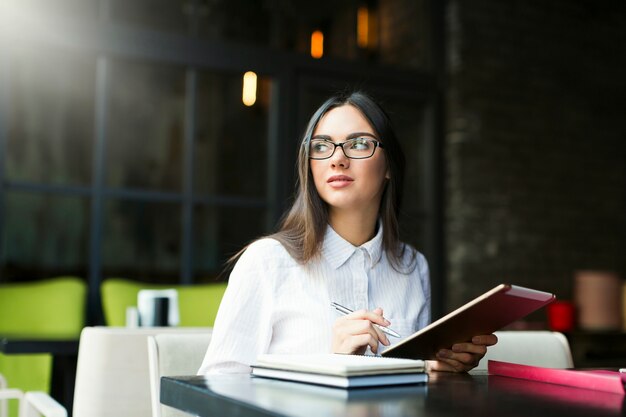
<point x="356" y="148"/>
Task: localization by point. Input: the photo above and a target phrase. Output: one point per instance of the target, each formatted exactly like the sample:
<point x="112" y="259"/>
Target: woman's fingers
<point x="485" y="339"/>
<point x="469" y="347"/>
<point x="357" y="343"/>
<point x="465" y="358"/>
<point x="381" y="336"/>
<point x="368" y="318"/>
<point x="448" y="365"/>
<point x="462" y="357"/>
<point x="445" y="365"/>
<point x="440" y="365"/>
<point x="358" y="327"/>
<point x="375" y="316"/>
<point x="354" y="332"/>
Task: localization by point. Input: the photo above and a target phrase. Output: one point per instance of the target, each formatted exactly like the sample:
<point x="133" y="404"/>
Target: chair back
<point x="534" y="348"/>
<point x="197" y="304"/>
<point x="33" y="403"/>
<point x="173" y="354"/>
<point x="48" y="308"/>
<point x="112" y="374"/>
<point x="4" y="410"/>
<point x="52" y="307"/>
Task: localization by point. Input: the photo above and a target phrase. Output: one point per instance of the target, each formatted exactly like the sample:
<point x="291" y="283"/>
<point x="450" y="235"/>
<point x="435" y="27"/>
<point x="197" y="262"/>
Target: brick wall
<point x="403" y="31"/>
<point x="535" y="143"/>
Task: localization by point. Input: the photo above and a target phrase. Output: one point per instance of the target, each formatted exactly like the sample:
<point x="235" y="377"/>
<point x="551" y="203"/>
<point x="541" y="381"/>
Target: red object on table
<point x="608" y="381"/>
<point x="561" y="316"/>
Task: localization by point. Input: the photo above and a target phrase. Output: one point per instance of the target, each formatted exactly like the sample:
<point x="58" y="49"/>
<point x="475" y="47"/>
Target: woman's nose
<point x="339" y="158"/>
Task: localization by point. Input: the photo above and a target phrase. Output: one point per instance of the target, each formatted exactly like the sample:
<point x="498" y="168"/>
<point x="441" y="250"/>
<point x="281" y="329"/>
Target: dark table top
<point x="446" y="394"/>
<point x="18" y="344"/>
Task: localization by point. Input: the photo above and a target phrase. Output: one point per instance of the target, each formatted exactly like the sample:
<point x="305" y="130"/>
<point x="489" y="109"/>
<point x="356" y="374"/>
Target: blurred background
<point x="132" y="145"/>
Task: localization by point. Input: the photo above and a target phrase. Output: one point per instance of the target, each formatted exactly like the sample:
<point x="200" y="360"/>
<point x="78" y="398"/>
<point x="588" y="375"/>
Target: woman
<point x="338" y="243"/>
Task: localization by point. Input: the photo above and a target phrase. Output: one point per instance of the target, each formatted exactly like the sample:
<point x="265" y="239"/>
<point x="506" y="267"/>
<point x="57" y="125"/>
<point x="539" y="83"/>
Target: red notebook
<point x="608" y="381"/>
<point x="485" y="314"/>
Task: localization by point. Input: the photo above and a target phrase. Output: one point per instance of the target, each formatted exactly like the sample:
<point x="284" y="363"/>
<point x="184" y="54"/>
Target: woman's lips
<point x="339" y="181"/>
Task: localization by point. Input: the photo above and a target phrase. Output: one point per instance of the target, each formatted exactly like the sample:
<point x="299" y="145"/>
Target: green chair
<point x="198" y="304"/>
<point x="52" y="308"/>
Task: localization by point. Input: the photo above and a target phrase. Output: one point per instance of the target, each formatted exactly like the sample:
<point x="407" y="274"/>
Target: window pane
<point x="50" y="121"/>
<point x="220" y="232"/>
<point x="78" y="9"/>
<point x="165" y="15"/>
<point x="231" y="138"/>
<point x="44" y="236"/>
<point x="395" y="33"/>
<point x="141" y="240"/>
<point x="240" y="20"/>
<point x="145" y="126"/>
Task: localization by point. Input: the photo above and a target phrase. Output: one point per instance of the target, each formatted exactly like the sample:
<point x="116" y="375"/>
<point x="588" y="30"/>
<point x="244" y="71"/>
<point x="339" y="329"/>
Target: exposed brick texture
<point x="535" y="144"/>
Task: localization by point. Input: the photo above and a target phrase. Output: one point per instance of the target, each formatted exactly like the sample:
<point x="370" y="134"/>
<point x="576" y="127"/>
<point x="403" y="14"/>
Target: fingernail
<point x="444" y="353"/>
<point x="387" y="322"/>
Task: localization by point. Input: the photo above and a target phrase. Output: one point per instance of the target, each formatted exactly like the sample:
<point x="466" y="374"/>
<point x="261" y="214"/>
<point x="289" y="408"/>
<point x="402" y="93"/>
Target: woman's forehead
<point x="342" y="121"/>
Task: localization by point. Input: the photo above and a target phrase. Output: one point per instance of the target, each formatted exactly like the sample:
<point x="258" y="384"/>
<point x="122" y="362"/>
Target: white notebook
<point x="346" y="371"/>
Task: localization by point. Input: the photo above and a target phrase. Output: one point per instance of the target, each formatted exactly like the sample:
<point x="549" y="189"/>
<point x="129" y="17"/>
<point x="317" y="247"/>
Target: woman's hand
<point x="463" y="356"/>
<point x="354" y="332"/>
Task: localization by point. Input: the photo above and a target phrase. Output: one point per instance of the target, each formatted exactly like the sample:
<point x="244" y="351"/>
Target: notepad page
<point x="339" y="364"/>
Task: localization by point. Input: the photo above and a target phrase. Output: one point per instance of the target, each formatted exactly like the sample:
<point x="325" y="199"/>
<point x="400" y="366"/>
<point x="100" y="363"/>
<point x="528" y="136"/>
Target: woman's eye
<point x="320" y="147"/>
<point x="360" y="144"/>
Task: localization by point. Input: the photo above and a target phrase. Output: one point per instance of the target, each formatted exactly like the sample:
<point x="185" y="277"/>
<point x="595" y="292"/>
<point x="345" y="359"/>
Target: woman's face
<point x="343" y="183"/>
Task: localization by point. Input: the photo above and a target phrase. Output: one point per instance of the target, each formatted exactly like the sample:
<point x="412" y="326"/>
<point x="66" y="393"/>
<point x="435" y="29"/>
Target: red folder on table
<point x="608" y="381"/>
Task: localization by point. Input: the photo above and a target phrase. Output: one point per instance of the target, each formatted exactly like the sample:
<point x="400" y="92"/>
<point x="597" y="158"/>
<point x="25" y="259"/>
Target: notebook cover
<point x="485" y="314"/>
<point x="338" y="364"/>
<point x="358" y="381"/>
<point x="607" y="381"/>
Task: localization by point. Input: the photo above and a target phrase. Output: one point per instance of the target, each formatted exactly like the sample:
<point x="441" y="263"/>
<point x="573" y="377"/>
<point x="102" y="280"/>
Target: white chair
<point x="112" y="373"/>
<point x="4" y="409"/>
<point x="535" y="348"/>
<point x="33" y="403"/>
<point x="173" y="354"/>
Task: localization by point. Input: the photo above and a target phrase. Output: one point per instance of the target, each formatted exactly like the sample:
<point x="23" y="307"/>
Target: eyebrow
<point x="350" y="136"/>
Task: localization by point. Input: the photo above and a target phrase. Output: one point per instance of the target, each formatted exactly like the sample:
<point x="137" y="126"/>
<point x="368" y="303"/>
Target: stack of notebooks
<point x="344" y="371"/>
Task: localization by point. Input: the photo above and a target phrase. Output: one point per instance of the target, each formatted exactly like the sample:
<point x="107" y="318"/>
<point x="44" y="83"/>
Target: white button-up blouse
<point x="273" y="304"/>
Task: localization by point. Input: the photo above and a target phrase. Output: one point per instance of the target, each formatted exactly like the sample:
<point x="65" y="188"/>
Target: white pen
<point x="346" y="310"/>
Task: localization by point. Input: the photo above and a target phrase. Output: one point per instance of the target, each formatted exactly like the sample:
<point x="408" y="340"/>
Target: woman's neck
<point x="355" y="227"/>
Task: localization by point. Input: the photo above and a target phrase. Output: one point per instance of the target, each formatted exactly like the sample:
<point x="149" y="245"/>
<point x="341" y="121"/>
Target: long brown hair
<point x="302" y="228"/>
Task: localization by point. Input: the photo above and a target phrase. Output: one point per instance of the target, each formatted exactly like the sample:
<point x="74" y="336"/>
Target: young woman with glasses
<point x="339" y="243"/>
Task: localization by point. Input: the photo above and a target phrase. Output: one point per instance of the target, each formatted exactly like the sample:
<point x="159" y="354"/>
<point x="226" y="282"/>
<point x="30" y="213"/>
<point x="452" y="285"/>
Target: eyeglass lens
<point x="357" y="148"/>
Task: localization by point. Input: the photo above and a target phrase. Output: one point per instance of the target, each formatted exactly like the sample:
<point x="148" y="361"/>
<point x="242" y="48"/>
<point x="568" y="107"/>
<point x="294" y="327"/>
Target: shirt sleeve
<point x="243" y="326"/>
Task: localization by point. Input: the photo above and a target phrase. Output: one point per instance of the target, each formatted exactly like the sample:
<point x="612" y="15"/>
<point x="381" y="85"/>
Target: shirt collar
<point x="336" y="250"/>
